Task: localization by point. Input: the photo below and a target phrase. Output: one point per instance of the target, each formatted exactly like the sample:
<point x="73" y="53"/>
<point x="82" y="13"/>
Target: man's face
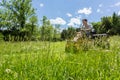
<point x="84" y="22"/>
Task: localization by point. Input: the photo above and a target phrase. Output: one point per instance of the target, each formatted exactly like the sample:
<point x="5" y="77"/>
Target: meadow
<point x="48" y="61"/>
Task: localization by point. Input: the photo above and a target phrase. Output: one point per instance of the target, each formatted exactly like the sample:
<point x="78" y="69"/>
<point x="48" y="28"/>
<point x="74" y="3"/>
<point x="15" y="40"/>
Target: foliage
<point x="21" y="10"/>
<point x="18" y="16"/>
<point x="97" y="26"/>
<point x="108" y="24"/>
<point x="56" y="32"/>
<point x="46" y="29"/>
<point x="64" y="34"/>
<point x="116" y="24"/>
<point x="69" y="33"/>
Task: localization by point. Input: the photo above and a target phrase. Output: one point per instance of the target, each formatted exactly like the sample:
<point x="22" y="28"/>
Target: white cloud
<point x="86" y="11"/>
<point x="118" y="12"/>
<point x="98" y="10"/>
<point x="100" y="5"/>
<point x="116" y="4"/>
<point x="74" y="21"/>
<point x="58" y="20"/>
<point x="41" y="5"/>
<point x="69" y="15"/>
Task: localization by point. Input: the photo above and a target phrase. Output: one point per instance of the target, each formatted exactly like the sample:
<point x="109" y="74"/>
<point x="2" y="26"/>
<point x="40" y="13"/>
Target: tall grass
<point x="48" y="61"/>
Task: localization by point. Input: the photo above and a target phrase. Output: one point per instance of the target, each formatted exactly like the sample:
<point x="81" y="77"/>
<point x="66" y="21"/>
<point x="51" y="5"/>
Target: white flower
<point x="8" y="71"/>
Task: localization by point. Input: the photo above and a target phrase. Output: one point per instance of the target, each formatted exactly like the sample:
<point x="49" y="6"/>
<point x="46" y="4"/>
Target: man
<point x="87" y="28"/>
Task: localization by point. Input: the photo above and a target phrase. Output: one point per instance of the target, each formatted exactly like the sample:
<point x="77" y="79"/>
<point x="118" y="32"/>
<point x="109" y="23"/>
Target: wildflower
<point x="8" y="71"/>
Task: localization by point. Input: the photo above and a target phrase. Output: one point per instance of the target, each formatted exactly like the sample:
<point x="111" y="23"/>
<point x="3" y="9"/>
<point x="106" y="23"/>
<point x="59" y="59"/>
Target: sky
<point x="71" y="12"/>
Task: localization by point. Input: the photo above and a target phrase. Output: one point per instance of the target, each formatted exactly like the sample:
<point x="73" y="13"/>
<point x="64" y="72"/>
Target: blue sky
<point x="70" y="12"/>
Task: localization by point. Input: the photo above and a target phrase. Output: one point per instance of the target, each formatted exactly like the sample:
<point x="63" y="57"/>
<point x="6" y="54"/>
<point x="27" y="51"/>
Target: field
<point x="49" y="61"/>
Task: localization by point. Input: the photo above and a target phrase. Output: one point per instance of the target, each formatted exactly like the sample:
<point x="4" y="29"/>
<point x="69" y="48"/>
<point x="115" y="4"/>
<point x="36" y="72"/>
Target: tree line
<point x="108" y="24"/>
<point x="19" y="22"/>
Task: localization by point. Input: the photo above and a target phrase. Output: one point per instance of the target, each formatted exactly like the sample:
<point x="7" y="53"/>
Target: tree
<point x="6" y="19"/>
<point x="46" y="29"/>
<point x="56" y="33"/>
<point x="71" y="32"/>
<point x="64" y="34"/>
<point x="97" y="27"/>
<point x="116" y="24"/>
<point x="15" y="17"/>
<point x="21" y="10"/>
<point x="109" y="24"/>
<point x="68" y="34"/>
<point x="33" y="21"/>
<point x="106" y="24"/>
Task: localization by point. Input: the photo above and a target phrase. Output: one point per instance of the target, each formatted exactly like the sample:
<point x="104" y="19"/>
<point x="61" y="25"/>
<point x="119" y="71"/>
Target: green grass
<point x="48" y="61"/>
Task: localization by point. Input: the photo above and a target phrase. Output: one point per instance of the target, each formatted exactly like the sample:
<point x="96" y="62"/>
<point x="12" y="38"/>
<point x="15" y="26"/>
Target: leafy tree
<point x="69" y="33"/>
<point x="106" y="24"/>
<point x="97" y="27"/>
<point x="33" y="21"/>
<point x="64" y="34"/>
<point x="56" y="33"/>
<point x="21" y="10"/>
<point x="46" y="29"/>
<point x="116" y="24"/>
<point x="15" y="15"/>
<point x="6" y="19"/>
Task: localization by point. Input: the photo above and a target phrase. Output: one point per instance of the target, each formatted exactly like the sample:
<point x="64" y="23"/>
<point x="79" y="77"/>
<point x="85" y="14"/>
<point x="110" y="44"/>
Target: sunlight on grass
<point x="48" y="61"/>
